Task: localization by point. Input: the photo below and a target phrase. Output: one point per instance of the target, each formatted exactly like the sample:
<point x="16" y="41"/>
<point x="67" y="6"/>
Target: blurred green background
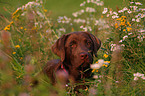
<point x="55" y="7"/>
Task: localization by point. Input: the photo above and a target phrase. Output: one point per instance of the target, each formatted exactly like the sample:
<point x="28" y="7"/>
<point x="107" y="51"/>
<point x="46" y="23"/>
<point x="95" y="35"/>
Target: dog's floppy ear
<point x="96" y="42"/>
<point x="59" y="47"/>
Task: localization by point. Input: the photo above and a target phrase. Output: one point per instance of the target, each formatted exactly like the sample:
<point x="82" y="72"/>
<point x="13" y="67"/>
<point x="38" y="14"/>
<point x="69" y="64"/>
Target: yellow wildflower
<point x="21" y="28"/>
<point x="45" y="10"/>
<point x="118" y="19"/>
<point x="122" y="24"/>
<point x="21" y="58"/>
<point x="14" y="52"/>
<point x="123" y="16"/>
<point x="17" y="46"/>
<point x="128" y="24"/>
<point x="128" y="29"/>
<point x="25" y="29"/>
<point x="102" y="16"/>
<point x="86" y="89"/>
<point x="106" y="61"/>
<point x="116" y="25"/>
<point x="106" y="65"/>
<point x="124" y="29"/>
<point x="105" y="55"/>
<point x="7" y="27"/>
<point x="103" y="65"/>
<point x="11" y="22"/>
<point x="123" y="20"/>
<point x="93" y="70"/>
<point x="16" y="12"/>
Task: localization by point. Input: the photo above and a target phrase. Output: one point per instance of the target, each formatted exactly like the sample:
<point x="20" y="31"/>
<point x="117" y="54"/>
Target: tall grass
<point x="25" y="47"/>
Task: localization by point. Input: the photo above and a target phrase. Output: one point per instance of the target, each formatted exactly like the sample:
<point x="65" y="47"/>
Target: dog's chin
<point x="85" y="64"/>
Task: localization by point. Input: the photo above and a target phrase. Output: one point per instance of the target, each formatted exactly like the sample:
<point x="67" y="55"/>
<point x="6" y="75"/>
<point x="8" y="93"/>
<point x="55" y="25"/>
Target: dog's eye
<point x="89" y="43"/>
<point x="73" y="44"/>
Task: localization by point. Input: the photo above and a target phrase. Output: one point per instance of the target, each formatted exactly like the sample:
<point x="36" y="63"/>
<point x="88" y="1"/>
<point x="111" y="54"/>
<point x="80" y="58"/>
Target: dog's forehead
<point x="79" y="36"/>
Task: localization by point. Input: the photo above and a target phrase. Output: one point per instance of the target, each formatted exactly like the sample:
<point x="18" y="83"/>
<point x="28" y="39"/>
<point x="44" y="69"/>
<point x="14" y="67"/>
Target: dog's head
<point x="77" y="48"/>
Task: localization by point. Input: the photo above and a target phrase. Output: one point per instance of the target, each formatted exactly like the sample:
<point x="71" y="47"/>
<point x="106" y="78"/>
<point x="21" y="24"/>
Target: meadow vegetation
<point x="25" y="47"/>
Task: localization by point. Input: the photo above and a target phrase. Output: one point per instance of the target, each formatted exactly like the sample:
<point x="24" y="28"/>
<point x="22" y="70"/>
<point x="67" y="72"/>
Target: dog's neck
<point x="73" y="71"/>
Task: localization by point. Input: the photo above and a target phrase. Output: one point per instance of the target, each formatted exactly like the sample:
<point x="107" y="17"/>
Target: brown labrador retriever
<point x="76" y="51"/>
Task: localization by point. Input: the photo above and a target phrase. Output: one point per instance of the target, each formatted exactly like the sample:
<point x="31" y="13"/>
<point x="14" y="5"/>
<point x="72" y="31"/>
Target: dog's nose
<point x="83" y="55"/>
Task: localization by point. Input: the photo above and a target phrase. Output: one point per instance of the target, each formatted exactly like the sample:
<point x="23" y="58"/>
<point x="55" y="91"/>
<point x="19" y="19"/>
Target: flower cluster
<point x="79" y="20"/>
<point x="8" y="26"/>
<point x="80" y="12"/>
<point x="97" y="2"/>
<point x="99" y="64"/>
<point x="90" y="9"/>
<point x="86" y="28"/>
<point x="138" y="75"/>
<point x="63" y="19"/>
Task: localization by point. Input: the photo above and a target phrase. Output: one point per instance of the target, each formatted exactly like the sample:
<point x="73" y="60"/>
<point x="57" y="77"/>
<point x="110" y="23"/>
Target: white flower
<point x="122" y="45"/>
<point x="81" y="26"/>
<point x="90" y="9"/>
<point x="134" y="7"/>
<point x="40" y="14"/>
<point x="125" y="8"/>
<point x="97" y="65"/>
<point x="138" y="3"/>
<point x="100" y="61"/>
<point x="129" y="11"/>
<point x="115" y="13"/>
<point x="95" y="76"/>
<point x="82" y="11"/>
<point x="129" y="33"/>
<point x="120" y="41"/>
<point x="96" y="22"/>
<point x="99" y="81"/>
<point x="131" y="2"/>
<point x="143" y="78"/>
<point x="116" y="81"/>
<point x="82" y="4"/>
<point x="125" y="37"/>
<point x="138" y="74"/>
<point x="138" y="20"/>
<point x="62" y="29"/>
<point x="105" y="11"/>
<point x="133" y="19"/>
<point x="79" y="20"/>
<point x="115" y="16"/>
<point x="110" y="12"/>
<point x="141" y="30"/>
<point x="75" y="14"/>
<point x="120" y="11"/>
<point x="88" y="1"/>
<point x="115" y="47"/>
<point x="107" y="15"/>
<point x="135" y="78"/>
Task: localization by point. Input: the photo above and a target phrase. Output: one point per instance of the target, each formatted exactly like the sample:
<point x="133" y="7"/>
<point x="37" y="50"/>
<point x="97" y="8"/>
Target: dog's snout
<point x="83" y="55"/>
